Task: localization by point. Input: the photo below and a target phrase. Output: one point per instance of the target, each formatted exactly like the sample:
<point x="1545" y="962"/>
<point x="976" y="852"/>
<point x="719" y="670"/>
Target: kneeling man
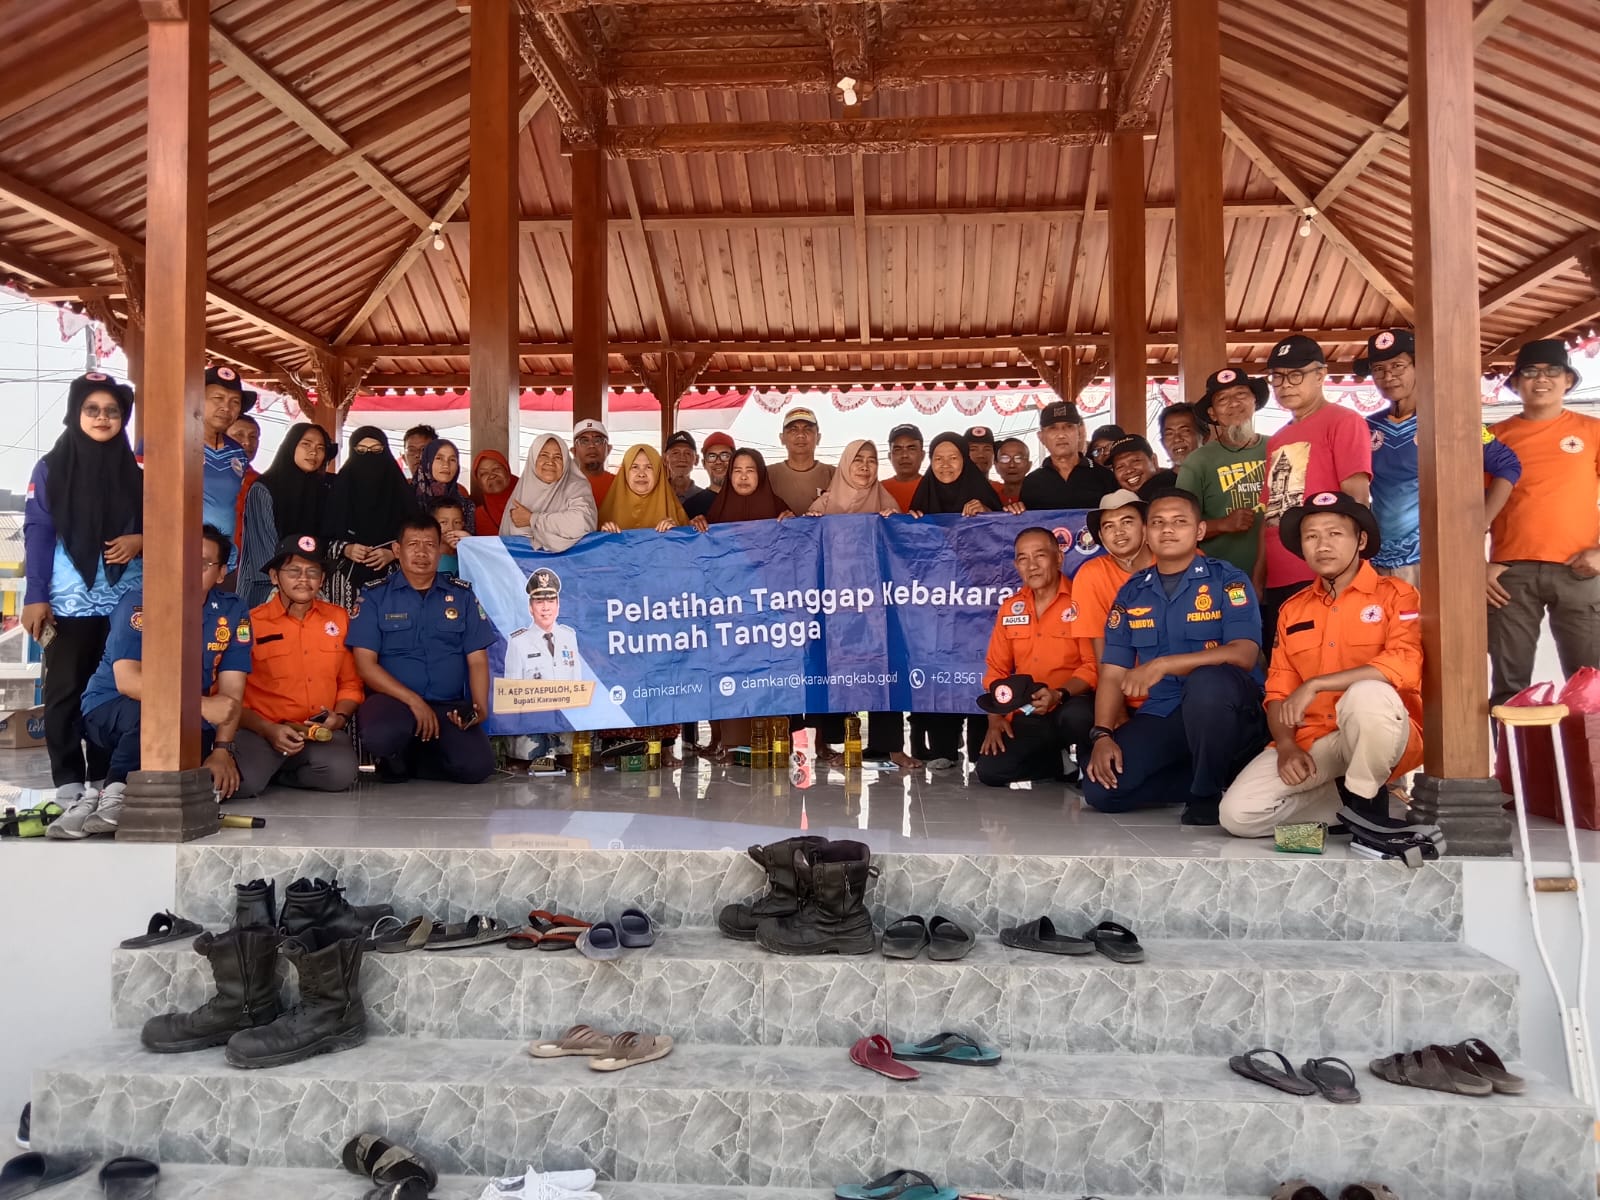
<point x="1184" y="637"/>
<point x="303" y="677"/>
<point x="1033" y="636"/>
<point x="1343" y="696"/>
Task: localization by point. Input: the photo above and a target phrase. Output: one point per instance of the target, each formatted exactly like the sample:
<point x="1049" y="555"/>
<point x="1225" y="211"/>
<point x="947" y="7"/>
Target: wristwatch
<point x="228" y="746"/>
<point x="1097" y="732"/>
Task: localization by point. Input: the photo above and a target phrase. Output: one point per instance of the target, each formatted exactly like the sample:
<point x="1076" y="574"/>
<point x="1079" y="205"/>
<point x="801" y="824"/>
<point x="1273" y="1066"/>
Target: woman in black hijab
<point x="289" y="498"/>
<point x="953" y="484"/>
<point x="82" y="530"/>
<point x="370" y="498"/>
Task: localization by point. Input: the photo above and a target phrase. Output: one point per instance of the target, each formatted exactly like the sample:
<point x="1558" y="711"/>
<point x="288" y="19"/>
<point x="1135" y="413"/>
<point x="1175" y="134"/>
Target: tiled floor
<point x="706" y="806"/>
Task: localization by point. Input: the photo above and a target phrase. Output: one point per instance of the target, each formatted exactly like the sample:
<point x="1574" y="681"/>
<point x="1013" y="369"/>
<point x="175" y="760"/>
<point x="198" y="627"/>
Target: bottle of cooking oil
<point x="852" y="740"/>
<point x="582" y="751"/>
<point x="652" y="751"/>
<point x="780" y="743"/>
<point x="760" y="745"/>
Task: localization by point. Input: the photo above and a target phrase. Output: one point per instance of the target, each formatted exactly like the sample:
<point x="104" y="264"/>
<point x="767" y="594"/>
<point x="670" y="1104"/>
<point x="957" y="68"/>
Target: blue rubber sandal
<point x="896" y="1185"/>
<point x="948" y="1047"/>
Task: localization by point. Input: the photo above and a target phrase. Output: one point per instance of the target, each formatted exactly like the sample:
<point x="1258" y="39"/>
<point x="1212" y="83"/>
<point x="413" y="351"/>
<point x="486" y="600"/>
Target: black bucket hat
<point x="1546" y="352"/>
<point x="222" y="375"/>
<point x="1330" y="502"/>
<point x="1224" y="379"/>
<point x="297" y="546"/>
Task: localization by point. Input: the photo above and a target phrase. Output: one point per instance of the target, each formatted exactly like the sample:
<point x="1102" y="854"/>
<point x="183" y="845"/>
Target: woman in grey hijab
<point x="553" y="505"/>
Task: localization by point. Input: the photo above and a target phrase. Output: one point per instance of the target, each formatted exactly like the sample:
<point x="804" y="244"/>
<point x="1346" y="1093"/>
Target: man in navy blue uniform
<point x="1184" y="637"/>
<point x="111" y="702"/>
<point x="421" y="642"/>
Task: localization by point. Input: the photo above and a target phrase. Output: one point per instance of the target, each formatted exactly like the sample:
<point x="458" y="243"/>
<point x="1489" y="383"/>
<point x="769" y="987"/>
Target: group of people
<point x="332" y="597"/>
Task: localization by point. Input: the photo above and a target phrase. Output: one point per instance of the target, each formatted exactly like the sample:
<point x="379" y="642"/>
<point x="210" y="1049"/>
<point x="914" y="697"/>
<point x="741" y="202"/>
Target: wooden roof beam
<point x="658" y="291"/>
<point x="1537" y="273"/>
<point x="574" y="106"/>
<point x="73" y="58"/>
<point x="1582" y="313"/>
<point x="1144" y="55"/>
<point x="858" y="202"/>
<point x="873" y="135"/>
<point x="1288" y="181"/>
<point x="817" y="77"/>
<point x="291" y="104"/>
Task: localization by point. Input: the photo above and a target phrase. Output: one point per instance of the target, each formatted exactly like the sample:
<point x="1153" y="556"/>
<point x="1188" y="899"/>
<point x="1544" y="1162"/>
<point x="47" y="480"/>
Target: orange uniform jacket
<point x="1025" y="642"/>
<point x="1094" y="591"/>
<point x="1374" y="624"/>
<point x="299" y="668"/>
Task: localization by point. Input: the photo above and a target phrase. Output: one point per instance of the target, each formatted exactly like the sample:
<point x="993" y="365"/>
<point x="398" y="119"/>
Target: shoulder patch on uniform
<point x="1237" y="595"/>
<point x="244" y="631"/>
<point x="1114" y="618"/>
<point x="136" y="618"/>
<point x="519" y="632"/>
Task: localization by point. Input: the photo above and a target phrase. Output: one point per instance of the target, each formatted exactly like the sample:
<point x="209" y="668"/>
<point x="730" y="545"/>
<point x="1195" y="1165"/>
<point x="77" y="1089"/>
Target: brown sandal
<point x="557" y="931"/>
<point x="1487" y="1064"/>
<point x="630" y="1049"/>
<point x="1436" y="1068"/>
<point x="580" y="1039"/>
<point x="1299" y="1189"/>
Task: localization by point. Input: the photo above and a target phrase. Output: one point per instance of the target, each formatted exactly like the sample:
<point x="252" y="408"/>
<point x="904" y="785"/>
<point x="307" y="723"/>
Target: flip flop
<point x="129" y="1179"/>
<point x="896" y="1185"/>
<point x="561" y="932"/>
<point x="578" y="1040"/>
<point x="1116" y="942"/>
<point x="1433" y="1068"/>
<point x="600" y="942"/>
<point x="630" y="1049"/>
<point x="905" y="938"/>
<point x="635" y="929"/>
<point x="948" y="941"/>
<point x="163" y="927"/>
<point x="383" y="1161"/>
<point x="33" y="1172"/>
<point x="876" y="1054"/>
<point x="1333" y="1078"/>
<point x="948" y="1047"/>
<point x="1299" y="1189"/>
<point x="402" y="935"/>
<point x="402" y="1189"/>
<point x="477" y="930"/>
<point x="1285" y="1080"/>
<point x="531" y="934"/>
<point x="1367" y="1190"/>
<point x="1487" y="1063"/>
<point x="1041" y="936"/>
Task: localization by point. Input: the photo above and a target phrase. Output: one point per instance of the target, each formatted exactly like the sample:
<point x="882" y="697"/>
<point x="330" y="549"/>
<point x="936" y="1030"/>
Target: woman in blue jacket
<point x="82" y="533"/>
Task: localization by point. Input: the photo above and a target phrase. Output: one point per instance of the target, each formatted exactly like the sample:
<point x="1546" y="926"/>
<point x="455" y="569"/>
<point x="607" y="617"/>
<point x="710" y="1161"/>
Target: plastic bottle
<point x="852" y="740"/>
<point x="652" y="753"/>
<point x="582" y="751"/>
<point x="760" y="746"/>
<point x="780" y="743"/>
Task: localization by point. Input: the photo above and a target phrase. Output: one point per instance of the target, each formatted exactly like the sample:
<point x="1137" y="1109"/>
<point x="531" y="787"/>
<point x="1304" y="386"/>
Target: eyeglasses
<point x="1542" y="373"/>
<point x="1011" y="458"/>
<point x="590" y="439"/>
<point x="300" y="572"/>
<point x="1293" y="378"/>
<point x="207" y="564"/>
<point x="1395" y="366"/>
<point x="94" y="412"/>
<point x="719" y="456"/>
<point x="369" y="449"/>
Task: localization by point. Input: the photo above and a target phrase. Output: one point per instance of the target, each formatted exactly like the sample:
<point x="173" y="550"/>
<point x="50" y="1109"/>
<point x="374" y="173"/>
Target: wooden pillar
<point x="1128" y="312"/>
<point x="493" y="226"/>
<point x="1454" y="788"/>
<point x="168" y="797"/>
<point x="1197" y="133"/>
<point x="590" y="357"/>
<point x="133" y="351"/>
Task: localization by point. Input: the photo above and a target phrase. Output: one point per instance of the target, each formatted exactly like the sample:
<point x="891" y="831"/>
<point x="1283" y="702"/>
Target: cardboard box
<point x="22" y="729"/>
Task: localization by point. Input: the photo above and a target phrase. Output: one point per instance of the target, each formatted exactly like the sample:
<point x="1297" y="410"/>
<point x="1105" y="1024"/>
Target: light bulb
<point x="1305" y="227"/>
<point x="438" y="235"/>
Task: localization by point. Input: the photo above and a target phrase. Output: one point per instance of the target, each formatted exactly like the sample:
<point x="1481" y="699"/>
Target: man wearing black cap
<point x="302" y="681"/>
<point x="680" y="455"/>
<point x="1396" y="490"/>
<point x="980" y="448"/>
<point x="226" y="460"/>
<point x="1344" y="700"/>
<point x="905" y="456"/>
<point x="1228" y="471"/>
<point x="1545" y="544"/>
<point x="1133" y="462"/>
<point x="1324" y="448"/>
<point x="1065" y="479"/>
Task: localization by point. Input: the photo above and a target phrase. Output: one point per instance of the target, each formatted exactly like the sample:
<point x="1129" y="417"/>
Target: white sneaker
<point x="68" y="827"/>
<point x="545" y="1185"/>
<point x="108" y="814"/>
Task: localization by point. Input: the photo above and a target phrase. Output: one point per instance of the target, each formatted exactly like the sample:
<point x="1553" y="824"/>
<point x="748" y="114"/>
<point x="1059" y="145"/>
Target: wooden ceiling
<point x="950" y="224"/>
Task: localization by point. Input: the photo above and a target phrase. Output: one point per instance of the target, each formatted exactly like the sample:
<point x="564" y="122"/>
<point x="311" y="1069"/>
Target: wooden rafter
<point x="1288" y="181"/>
<point x="397" y="269"/>
<point x="1143" y="55"/>
<point x="1581" y="313"/>
<point x="291" y="104"/>
<point x="1537" y="273"/>
<point x="658" y="291"/>
<point x="858" y="200"/>
<point x="106" y="39"/>
<point x="875" y="135"/>
<point x="820" y="76"/>
<point x="574" y="105"/>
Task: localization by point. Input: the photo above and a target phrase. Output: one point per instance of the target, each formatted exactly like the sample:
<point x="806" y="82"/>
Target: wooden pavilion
<point x="730" y="193"/>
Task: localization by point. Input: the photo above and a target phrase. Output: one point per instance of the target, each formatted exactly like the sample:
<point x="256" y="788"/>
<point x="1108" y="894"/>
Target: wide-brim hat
<point x="222" y="375"/>
<point x="302" y="545"/>
<point x="1224" y="379"/>
<point x="1330" y="502"/>
<point x="1008" y="695"/>
<point x="1110" y="502"/>
<point x="1545" y="352"/>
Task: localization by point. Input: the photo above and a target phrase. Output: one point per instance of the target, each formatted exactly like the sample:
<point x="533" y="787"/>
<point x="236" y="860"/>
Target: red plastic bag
<point x="1535" y="695"/>
<point x="1537" y="749"/>
<point x="1582" y="692"/>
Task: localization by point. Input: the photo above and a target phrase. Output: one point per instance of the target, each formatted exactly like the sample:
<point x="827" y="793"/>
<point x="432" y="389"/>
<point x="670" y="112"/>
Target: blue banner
<point x="763" y="618"/>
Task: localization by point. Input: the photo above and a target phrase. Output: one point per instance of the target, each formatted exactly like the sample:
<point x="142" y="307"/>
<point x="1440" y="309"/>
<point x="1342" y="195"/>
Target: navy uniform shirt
<point x="422" y="638"/>
<point x="225" y="626"/>
<point x="1214" y="605"/>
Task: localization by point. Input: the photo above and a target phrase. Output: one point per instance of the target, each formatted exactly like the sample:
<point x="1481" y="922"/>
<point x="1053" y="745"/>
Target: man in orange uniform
<point x="1343" y="694"/>
<point x="1546" y="541"/>
<point x="1118" y="526"/>
<point x="1033" y="636"/>
<point x="302" y="673"/>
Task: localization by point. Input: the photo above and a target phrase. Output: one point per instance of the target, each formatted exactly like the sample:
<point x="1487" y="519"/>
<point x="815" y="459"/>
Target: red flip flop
<point x="876" y="1054"/>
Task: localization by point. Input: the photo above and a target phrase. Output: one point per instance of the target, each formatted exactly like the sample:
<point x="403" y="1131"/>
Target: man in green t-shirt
<point x="1227" y="472"/>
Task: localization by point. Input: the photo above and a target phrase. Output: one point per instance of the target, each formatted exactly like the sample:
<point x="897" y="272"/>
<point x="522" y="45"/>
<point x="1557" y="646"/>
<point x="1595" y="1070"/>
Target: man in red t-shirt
<point x="1324" y="448"/>
<point x="905" y="456"/>
<point x="1545" y="544"/>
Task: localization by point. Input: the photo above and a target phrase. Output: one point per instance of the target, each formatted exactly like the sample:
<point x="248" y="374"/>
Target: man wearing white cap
<point x="800" y="478"/>
<point x="590" y="446"/>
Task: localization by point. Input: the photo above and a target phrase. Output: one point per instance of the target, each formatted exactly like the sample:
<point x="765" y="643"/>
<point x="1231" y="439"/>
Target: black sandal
<point x="163" y="927"/>
<point x="1333" y="1078"/>
<point x="386" y="1162"/>
<point x="129" y="1179"/>
<point x="1117" y="942"/>
<point x="905" y="938"/>
<point x="1285" y="1080"/>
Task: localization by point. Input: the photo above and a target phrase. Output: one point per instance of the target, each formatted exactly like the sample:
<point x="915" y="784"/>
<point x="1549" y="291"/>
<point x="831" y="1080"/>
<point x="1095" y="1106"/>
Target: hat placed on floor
<point x="1008" y="695"/>
<point x="1338" y="503"/>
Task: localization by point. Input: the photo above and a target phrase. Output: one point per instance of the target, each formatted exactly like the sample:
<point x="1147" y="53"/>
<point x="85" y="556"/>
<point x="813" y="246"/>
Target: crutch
<point x="1574" y="1018"/>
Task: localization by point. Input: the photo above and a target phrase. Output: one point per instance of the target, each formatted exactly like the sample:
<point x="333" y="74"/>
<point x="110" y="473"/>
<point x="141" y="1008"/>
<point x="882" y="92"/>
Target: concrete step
<point x="1188" y="997"/>
<point x="1143" y="1125"/>
<point x="1213" y="898"/>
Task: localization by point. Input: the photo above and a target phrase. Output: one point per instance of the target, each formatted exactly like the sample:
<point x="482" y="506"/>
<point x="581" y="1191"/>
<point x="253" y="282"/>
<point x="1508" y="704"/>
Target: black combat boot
<point x="244" y="967"/>
<point x="833" y="917"/>
<point x="255" y="904"/>
<point x="320" y="904"/>
<point x="330" y="1015"/>
<point x="779" y="900"/>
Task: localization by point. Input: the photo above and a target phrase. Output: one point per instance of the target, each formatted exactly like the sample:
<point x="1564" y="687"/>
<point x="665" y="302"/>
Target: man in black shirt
<point x="1066" y="479"/>
<point x="1133" y="462"/>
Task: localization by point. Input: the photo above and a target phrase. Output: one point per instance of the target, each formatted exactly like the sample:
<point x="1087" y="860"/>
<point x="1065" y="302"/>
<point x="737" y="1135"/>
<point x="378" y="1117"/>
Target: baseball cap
<point x="1384" y="345"/>
<point x="583" y="427"/>
<point x="900" y="431"/>
<point x="719" y="439"/>
<point x="1132" y="444"/>
<point x="1294" y="352"/>
<point x="798" y="414"/>
<point x="290" y="545"/>
<point x="981" y="434"/>
<point x="681" y="438"/>
<point x="1008" y="694"/>
<point x="1061" y="412"/>
<point x="227" y="377"/>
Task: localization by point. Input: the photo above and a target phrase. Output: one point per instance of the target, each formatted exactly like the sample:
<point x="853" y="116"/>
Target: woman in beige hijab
<point x="855" y="487"/>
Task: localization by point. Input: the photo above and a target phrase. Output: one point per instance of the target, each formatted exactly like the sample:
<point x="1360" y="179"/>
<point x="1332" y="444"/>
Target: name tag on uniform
<point x="1146" y="623"/>
<point x="1204" y="616"/>
<point x="1022" y="620"/>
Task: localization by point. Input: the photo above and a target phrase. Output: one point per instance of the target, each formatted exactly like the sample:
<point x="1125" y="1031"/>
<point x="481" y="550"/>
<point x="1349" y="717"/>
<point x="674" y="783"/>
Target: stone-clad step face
<point x="1293" y="898"/>
<point x="1189" y="997"/>
<point x="805" y="1117"/>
